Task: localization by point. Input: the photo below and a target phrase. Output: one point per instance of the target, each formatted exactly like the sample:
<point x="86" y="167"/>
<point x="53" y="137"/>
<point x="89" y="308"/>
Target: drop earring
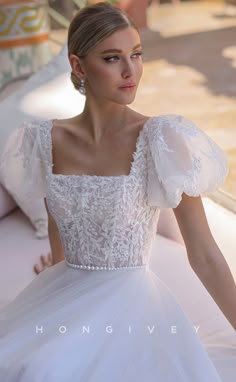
<point x="82" y="87"/>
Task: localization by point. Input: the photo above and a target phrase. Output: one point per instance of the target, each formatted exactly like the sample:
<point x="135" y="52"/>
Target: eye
<point x="137" y="54"/>
<point x="116" y="58"/>
<point x="111" y="58"/>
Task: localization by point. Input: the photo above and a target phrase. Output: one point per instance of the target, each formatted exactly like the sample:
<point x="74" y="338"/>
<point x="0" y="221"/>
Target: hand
<point x="46" y="263"/>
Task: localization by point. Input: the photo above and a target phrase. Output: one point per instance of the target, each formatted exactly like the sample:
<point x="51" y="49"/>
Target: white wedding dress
<point x="102" y="315"/>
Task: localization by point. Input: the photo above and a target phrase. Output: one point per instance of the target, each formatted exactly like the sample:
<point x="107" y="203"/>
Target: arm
<point x="204" y="255"/>
<point x="54" y="239"/>
<point x="57" y="254"/>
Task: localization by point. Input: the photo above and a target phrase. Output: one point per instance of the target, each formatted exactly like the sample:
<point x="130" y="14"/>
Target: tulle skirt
<point x="122" y="325"/>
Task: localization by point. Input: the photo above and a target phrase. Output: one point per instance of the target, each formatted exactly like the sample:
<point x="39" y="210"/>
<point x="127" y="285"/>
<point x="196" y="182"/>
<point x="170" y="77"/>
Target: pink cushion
<point x="7" y="204"/>
<point x="19" y="251"/>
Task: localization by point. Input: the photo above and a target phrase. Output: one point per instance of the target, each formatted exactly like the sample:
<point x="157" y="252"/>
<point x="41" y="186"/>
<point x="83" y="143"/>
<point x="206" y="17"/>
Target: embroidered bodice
<point x="104" y="221"/>
<point x="108" y="222"/>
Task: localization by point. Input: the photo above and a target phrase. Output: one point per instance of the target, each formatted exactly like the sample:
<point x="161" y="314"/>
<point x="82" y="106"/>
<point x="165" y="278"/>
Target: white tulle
<point x="109" y="222"/>
<point x="183" y="159"/>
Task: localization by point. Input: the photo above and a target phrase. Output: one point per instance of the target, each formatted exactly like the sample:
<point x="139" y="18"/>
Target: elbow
<point x="203" y="259"/>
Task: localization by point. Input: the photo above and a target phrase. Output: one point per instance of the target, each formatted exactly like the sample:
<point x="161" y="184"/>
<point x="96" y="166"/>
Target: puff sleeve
<point x="22" y="155"/>
<point x="182" y="158"/>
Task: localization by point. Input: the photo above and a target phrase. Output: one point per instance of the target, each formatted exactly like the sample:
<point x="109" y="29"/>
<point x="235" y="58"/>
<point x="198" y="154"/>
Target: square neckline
<point x="89" y="176"/>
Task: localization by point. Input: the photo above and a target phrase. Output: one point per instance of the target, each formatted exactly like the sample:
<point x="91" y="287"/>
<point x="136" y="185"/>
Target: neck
<point x="100" y="119"/>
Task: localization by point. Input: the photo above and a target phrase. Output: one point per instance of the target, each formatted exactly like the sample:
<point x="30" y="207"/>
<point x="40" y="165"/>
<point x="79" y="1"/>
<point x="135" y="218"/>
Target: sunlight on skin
<point x="105" y="73"/>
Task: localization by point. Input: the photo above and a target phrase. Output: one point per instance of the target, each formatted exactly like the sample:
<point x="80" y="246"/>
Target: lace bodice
<point x="108" y="222"/>
<point x="104" y="221"/>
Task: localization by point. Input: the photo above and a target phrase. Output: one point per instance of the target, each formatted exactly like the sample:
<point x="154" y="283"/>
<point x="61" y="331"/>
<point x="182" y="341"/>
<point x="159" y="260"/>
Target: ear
<point x="76" y="66"/>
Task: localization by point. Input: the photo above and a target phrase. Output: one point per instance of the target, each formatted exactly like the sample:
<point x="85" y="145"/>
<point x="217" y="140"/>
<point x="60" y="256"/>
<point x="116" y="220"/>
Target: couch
<point x="20" y="248"/>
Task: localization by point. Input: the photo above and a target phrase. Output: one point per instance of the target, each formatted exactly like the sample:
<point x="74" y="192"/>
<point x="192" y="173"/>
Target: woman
<point x="101" y="314"/>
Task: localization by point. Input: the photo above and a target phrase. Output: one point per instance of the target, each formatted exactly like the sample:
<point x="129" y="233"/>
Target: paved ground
<point x="190" y="69"/>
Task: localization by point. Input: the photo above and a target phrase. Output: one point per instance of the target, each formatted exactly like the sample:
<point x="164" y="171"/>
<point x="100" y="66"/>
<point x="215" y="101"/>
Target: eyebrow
<point x="118" y="50"/>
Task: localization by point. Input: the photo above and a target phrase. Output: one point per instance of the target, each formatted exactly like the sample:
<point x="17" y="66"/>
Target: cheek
<point x="101" y="74"/>
<point x="140" y="70"/>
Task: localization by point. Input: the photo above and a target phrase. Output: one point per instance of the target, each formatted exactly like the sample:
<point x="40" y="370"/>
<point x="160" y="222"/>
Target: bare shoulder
<point x="63" y="136"/>
<point x="62" y="128"/>
<point x="138" y="119"/>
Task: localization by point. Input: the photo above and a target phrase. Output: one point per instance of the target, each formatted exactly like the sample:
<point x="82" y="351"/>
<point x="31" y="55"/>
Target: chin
<point x="128" y="103"/>
<point x="125" y="100"/>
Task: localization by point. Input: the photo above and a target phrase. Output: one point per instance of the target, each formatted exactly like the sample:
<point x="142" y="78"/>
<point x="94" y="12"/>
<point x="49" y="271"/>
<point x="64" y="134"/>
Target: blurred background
<point x="189" y="60"/>
<point x="189" y="69"/>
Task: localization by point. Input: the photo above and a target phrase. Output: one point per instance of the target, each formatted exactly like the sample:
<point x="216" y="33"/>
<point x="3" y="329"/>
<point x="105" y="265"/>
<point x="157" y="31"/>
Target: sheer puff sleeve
<point x="29" y="151"/>
<point x="23" y="158"/>
<point x="182" y="158"/>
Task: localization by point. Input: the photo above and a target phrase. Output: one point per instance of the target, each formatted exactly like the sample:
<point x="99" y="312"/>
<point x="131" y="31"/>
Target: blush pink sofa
<point x="20" y="249"/>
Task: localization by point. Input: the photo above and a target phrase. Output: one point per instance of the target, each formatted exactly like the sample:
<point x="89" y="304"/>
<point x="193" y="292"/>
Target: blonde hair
<point x="90" y="26"/>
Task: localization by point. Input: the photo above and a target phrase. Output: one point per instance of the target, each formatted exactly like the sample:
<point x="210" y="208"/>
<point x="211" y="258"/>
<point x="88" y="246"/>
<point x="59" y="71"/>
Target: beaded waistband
<point x="97" y="268"/>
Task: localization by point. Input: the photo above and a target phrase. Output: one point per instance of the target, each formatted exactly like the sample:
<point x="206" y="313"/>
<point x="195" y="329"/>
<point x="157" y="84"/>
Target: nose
<point x="127" y="69"/>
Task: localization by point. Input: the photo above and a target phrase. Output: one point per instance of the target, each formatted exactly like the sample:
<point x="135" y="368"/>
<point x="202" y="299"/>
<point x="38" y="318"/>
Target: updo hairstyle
<point x="90" y="26"/>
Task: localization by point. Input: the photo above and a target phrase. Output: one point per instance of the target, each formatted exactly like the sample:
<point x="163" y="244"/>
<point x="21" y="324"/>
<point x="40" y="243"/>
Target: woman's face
<point x="112" y="70"/>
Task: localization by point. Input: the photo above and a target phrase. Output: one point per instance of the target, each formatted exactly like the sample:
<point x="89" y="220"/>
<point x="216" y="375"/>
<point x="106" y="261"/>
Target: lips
<point x="127" y="86"/>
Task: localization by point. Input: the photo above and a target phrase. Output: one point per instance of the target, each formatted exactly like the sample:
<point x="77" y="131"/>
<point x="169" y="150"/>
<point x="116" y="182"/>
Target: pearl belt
<point x="97" y="268"/>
